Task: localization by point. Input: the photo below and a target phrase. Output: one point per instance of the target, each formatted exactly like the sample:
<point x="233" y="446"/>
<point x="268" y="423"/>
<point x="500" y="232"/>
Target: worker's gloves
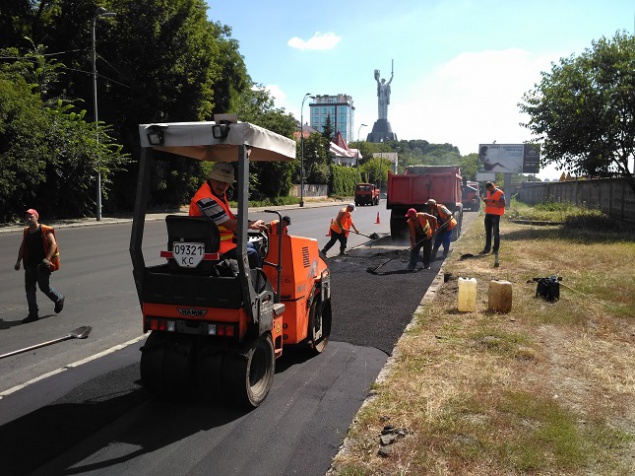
<point x="45" y="264"/>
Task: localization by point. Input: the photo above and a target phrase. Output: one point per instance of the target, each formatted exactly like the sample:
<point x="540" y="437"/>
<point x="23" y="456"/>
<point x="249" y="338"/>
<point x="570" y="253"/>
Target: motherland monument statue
<point x="381" y="129"/>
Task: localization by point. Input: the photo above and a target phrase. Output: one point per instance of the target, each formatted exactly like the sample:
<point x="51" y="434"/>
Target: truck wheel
<point x="319" y="326"/>
<point x="248" y="378"/>
<point x="166" y="364"/>
<point x="398" y="226"/>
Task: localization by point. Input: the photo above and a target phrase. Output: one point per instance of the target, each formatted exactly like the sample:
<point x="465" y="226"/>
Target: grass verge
<point x="548" y="388"/>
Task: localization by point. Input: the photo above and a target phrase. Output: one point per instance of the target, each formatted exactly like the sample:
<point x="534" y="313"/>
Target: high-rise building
<point x="341" y="110"/>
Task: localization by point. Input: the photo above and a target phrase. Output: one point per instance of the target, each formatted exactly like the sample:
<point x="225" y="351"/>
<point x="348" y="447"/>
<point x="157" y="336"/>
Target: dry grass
<point x="547" y="389"/>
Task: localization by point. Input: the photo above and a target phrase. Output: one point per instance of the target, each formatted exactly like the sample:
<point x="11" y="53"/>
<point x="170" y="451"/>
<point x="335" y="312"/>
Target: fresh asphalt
<point x="96" y="419"/>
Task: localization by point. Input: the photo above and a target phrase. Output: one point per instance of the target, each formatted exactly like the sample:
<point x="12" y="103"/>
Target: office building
<point x="341" y="110"/>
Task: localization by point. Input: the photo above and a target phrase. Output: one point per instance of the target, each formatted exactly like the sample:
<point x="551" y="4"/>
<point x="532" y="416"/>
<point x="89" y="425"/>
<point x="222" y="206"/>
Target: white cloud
<point x="319" y="41"/>
<point x="470" y="100"/>
<point x="278" y="94"/>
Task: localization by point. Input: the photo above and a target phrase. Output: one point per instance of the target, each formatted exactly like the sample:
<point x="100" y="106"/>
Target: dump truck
<point x="217" y="326"/>
<point x="415" y="187"/>
<point x="366" y="194"/>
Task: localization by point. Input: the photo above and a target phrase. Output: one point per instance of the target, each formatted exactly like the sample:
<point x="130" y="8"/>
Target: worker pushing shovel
<point x="422" y="228"/>
<point x="340" y="229"/>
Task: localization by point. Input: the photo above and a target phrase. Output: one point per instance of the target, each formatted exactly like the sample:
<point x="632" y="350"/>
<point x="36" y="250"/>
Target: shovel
<point x="79" y="333"/>
<point x="372" y="236"/>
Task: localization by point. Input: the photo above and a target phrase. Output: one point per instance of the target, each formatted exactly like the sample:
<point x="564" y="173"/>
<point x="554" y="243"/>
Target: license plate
<point x="188" y="255"/>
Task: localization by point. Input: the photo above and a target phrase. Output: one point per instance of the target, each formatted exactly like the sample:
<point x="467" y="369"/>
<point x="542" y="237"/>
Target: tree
<point x="22" y="151"/>
<point x="375" y="170"/>
<point x="583" y="110"/>
<point x="48" y="153"/>
<point x="327" y="131"/>
<point x="469" y="166"/>
<point x="316" y="159"/>
<point x="255" y="105"/>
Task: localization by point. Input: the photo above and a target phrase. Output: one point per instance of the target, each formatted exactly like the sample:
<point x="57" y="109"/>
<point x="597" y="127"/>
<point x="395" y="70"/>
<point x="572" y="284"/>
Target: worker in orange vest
<point x="211" y="201"/>
<point x="422" y="226"/>
<point x="40" y="256"/>
<point x="445" y="223"/>
<point x="272" y="226"/>
<point x="340" y="229"/>
<point x="494" y="209"/>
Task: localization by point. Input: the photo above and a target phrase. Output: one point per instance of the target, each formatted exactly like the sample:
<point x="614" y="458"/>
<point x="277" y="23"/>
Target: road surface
<point x="90" y="415"/>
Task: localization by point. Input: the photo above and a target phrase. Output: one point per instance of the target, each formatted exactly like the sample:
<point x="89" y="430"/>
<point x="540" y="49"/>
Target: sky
<point x="460" y="66"/>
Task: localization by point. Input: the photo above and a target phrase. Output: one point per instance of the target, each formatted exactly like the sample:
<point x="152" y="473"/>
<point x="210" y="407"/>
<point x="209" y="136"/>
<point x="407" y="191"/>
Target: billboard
<point x="509" y="158"/>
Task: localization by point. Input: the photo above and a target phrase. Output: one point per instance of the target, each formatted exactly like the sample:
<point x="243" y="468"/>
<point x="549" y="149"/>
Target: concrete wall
<point x="310" y="190"/>
<point x="612" y="195"/>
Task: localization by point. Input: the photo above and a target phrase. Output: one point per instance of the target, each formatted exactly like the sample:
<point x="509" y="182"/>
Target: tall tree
<point x="255" y="105"/>
<point x="583" y="110"/>
<point x="49" y="154"/>
<point x="327" y="131"/>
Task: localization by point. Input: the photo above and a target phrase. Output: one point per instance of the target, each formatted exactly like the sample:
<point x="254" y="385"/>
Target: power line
<point x="59" y="66"/>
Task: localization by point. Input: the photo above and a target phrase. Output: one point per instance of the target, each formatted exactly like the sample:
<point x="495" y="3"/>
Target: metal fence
<point x="611" y="195"/>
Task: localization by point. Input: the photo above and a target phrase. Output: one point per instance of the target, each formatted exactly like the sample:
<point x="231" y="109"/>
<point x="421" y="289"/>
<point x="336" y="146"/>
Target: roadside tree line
<point x="164" y="61"/>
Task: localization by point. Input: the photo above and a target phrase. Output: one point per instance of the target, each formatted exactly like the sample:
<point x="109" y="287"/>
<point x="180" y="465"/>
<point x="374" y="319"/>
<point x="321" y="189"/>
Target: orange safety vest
<point x="425" y="226"/>
<point x="345" y="221"/>
<point x="444" y="213"/>
<point x="226" y="235"/>
<point x="494" y="207"/>
<point x="55" y="259"/>
<point x="273" y="228"/>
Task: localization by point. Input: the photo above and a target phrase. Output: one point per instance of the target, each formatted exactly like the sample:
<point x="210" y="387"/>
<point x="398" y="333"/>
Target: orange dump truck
<point x="366" y="194"/>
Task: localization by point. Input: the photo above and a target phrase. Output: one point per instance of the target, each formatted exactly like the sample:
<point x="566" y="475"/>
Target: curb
<point x="429" y="297"/>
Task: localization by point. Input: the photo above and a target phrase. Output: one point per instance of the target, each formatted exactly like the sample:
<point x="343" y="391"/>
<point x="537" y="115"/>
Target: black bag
<point x="548" y="288"/>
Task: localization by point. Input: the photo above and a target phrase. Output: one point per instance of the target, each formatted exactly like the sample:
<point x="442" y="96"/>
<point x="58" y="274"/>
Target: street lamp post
<point x="100" y="12"/>
<point x="302" y="149"/>
<point x="359" y="129"/>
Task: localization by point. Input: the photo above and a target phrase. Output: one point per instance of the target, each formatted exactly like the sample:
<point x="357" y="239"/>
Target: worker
<point x="445" y="223"/>
<point x="422" y="226"/>
<point x="340" y="229"/>
<point x="494" y="209"/>
<point x="272" y="226"/>
<point x="211" y="201"/>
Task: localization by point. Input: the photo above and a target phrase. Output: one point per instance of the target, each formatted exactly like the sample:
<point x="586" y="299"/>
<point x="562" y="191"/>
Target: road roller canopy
<point x="217" y="141"/>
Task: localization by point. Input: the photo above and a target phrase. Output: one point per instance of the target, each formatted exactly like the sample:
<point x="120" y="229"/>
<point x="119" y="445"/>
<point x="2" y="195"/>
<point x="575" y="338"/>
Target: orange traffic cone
<point x="377" y="222"/>
<point x="329" y="233"/>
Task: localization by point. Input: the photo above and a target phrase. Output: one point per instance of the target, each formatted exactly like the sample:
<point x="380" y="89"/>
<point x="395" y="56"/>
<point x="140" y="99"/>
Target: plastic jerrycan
<point x="467" y="294"/>
<point x="499" y="296"/>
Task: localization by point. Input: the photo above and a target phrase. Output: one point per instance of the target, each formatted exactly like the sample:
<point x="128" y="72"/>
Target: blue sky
<point x="461" y="66"/>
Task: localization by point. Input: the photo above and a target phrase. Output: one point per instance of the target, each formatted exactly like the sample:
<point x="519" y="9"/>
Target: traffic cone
<point x="377" y="222"/>
<point x="329" y="233"/>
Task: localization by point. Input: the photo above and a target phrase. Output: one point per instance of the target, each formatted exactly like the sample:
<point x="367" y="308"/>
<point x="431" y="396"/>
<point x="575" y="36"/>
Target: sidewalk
<point x="153" y="215"/>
